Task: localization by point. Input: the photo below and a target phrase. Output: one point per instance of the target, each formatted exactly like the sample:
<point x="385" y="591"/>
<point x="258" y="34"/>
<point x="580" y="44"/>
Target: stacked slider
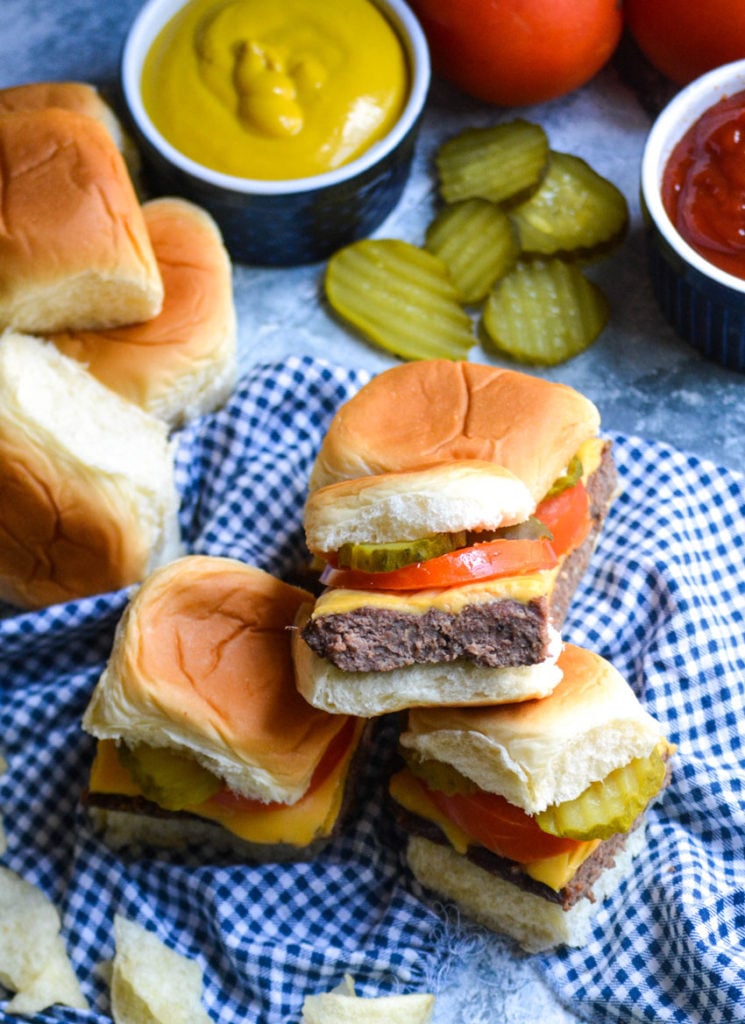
<point x="118" y="324"/>
<point x="456" y="507"/>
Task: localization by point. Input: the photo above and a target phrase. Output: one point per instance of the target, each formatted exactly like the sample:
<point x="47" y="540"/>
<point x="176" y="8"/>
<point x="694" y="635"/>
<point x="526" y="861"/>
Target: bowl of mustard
<point x="292" y="121"/>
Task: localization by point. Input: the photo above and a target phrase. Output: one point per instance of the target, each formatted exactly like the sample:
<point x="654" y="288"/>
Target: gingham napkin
<point x="664" y="600"/>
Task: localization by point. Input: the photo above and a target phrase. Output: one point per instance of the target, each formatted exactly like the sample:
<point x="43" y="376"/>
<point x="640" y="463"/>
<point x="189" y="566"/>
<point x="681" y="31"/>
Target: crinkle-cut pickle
<point x="543" y="312"/>
<point x="504" y="162"/>
<point x="611" y="805"/>
<point x="574" y="210"/>
<point x="401" y="297"/>
<point x="171" y="779"/>
<point x="477" y="241"/>
<point x="397" y="554"/>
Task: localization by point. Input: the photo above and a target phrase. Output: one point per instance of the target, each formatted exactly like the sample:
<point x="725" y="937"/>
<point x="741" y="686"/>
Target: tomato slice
<point x="500" y="826"/>
<point x="567" y="516"/>
<point x="487" y="560"/>
<point x="335" y="751"/>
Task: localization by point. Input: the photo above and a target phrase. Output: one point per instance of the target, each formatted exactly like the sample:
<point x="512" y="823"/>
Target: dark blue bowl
<point x="704" y="304"/>
<point x="292" y="222"/>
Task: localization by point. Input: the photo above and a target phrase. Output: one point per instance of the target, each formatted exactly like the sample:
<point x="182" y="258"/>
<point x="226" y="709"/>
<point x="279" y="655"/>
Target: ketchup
<point x="703" y="185"/>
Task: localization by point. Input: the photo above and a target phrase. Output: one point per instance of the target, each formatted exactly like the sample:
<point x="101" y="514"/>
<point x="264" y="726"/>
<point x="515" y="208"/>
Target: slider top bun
<point x="182" y="362"/>
<point x="444" y="498"/>
<point x="201" y="664"/>
<point x="546" y="751"/>
<point x="88" y="502"/>
<point x="431" y="412"/>
<point x="74" y="251"/>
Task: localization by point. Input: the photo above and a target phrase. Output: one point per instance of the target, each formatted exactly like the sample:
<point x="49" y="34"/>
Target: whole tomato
<point x="685" y="38"/>
<point x="517" y="52"/>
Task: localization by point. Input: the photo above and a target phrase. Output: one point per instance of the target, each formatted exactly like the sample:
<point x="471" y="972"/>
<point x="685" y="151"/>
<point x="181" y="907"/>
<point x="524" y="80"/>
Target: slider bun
<point x="74" y="251"/>
<point x="88" y="502"/>
<point x="546" y="751"/>
<point x="468" y="495"/>
<point x="535" y="923"/>
<point x="81" y="98"/>
<point x="182" y="362"/>
<point x="201" y="664"/>
<point x="433" y="411"/>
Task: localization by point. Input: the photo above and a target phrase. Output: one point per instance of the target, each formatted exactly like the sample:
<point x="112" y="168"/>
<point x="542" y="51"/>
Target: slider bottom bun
<point x="369" y="694"/>
<point x="535" y="922"/>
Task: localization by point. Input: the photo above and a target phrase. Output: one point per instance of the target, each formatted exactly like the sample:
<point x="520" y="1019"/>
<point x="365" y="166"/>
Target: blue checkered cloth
<point x="664" y="599"/>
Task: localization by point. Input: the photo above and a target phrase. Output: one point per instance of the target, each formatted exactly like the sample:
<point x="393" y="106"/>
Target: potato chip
<point x="33" y="960"/>
<point x="152" y="983"/>
<point x="342" y="1006"/>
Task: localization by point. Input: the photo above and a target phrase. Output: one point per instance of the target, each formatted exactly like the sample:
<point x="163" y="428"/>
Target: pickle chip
<point x="544" y="312"/>
<point x="611" y="805"/>
<point x="396" y="554"/>
<point x="504" y="162"/>
<point x="574" y="210"/>
<point x="171" y="779"/>
<point x="477" y="241"/>
<point x="401" y="297"/>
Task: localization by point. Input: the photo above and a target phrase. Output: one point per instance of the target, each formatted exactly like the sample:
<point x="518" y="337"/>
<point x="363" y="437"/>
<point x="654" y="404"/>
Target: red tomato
<point x="489" y="560"/>
<point x="336" y="749"/>
<point x="685" y="38"/>
<point x="567" y="515"/>
<point x="515" y="52"/>
<point x="500" y="826"/>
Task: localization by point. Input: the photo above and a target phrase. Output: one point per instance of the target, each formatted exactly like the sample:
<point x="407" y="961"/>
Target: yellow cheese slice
<point x="555" y="872"/>
<point x="312" y="817"/>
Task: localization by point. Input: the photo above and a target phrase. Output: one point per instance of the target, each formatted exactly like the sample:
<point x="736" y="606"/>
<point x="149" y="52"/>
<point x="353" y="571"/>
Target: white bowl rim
<point x="153" y="16"/>
<point x="672" y="123"/>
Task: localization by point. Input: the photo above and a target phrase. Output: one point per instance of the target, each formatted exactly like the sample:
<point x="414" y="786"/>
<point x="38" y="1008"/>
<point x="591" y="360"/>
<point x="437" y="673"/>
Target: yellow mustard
<point x="275" y="89"/>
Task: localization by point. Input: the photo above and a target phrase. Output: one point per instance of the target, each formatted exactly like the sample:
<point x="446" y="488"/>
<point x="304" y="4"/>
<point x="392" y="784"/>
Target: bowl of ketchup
<point x="693" y="202"/>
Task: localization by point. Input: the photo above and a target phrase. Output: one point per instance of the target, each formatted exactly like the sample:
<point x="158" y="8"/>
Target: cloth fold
<point x="664" y="600"/>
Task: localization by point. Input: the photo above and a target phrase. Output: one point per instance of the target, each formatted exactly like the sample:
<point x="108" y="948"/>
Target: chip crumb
<point x="343" y="1006"/>
<point x="151" y="983"/>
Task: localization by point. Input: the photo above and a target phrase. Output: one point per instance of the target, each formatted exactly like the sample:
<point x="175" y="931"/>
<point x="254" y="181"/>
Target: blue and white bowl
<point x="704" y="304"/>
<point x="296" y="221"/>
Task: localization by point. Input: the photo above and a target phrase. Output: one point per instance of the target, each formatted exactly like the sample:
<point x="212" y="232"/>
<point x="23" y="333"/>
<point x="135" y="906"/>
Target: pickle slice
<point x="400" y="297"/>
<point x="441" y="776"/>
<point x="567" y="479"/>
<point x="574" y="210"/>
<point x="172" y="780"/>
<point x="544" y="312"/>
<point x="477" y="241"/>
<point x="397" y="554"/>
<point x="611" y="805"/>
<point x="504" y="162"/>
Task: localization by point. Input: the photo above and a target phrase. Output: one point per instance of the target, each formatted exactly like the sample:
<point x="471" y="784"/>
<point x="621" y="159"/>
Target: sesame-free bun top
<point x="74" y="251"/>
<point x="201" y="663"/>
<point x="434" y="411"/>
<point x="80" y="97"/>
<point x="88" y="501"/>
<point x="545" y="751"/>
<point x="181" y="363"/>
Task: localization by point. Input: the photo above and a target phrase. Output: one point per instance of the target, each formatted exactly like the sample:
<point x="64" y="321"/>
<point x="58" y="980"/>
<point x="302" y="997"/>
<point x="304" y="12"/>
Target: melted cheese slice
<point x="312" y="817"/>
<point x="555" y="872"/>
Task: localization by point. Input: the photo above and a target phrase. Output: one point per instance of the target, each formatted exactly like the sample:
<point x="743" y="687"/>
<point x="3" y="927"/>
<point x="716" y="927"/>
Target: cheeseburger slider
<point x="455" y="507"/>
<point x="202" y="733"/>
<point x="526" y="815"/>
<point x="181" y="363"/>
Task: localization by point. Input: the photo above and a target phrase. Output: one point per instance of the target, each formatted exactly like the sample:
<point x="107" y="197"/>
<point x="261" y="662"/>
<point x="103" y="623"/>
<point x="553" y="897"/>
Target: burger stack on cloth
<point x="117" y="323"/>
<point x="454" y="508"/>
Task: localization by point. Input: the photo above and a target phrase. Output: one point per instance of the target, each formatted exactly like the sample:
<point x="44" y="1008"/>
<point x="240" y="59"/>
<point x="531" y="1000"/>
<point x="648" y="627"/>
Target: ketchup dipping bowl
<point x="703" y="301"/>
<point x="276" y="218"/>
